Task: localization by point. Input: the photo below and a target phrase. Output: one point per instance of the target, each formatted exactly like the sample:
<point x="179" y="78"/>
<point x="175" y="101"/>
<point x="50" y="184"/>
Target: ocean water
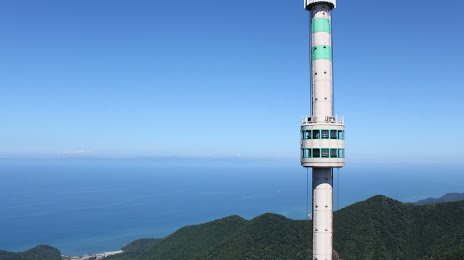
<point x="96" y="205"/>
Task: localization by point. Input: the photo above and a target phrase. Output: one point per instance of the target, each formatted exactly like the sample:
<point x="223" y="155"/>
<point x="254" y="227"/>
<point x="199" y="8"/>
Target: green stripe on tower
<point x="321" y="52"/>
<point x="320" y="25"/>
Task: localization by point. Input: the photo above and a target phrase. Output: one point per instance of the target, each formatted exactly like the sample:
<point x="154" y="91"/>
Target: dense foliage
<point x="191" y="242"/>
<point x="382" y="228"/>
<point x="134" y="249"/>
<point x="378" y="228"/>
<point x="268" y="236"/>
<point x="40" y="252"/>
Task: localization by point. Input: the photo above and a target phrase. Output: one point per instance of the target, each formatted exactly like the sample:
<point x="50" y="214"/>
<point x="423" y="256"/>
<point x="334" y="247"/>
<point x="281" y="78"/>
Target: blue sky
<point x="226" y="78"/>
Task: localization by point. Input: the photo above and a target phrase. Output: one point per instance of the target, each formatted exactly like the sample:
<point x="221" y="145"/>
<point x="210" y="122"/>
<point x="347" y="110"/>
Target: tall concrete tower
<point x="322" y="133"/>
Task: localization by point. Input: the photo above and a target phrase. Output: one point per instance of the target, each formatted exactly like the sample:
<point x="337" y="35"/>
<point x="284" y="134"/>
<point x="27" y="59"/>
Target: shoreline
<point x="97" y="256"/>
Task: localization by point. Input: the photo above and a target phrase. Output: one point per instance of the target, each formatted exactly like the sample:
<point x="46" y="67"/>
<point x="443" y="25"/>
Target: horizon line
<point x="202" y="157"/>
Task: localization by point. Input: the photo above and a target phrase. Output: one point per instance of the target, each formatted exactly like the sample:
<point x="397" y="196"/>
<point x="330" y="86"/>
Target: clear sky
<point x="226" y="78"/>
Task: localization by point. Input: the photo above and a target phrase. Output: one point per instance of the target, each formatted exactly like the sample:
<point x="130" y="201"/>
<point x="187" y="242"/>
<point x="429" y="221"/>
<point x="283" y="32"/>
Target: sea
<point x="90" y="205"/>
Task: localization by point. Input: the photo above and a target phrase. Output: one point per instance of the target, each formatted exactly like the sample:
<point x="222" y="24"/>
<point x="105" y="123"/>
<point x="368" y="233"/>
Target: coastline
<point x="97" y="256"/>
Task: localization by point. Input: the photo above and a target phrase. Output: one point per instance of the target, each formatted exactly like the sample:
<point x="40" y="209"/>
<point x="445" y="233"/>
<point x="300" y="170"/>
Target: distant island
<point x="377" y="228"/>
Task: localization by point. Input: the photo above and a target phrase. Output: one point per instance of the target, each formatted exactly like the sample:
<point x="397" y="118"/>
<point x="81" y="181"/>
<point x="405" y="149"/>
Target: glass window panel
<point x="325" y="134"/>
<point x="325" y="153"/>
<point x="333" y="134"/>
<point x="341" y="153"/>
<point x="308" y="153"/>
<point x="308" y="134"/>
<point x="340" y="134"/>
<point x="316" y="153"/>
<point x="316" y="134"/>
<point x="333" y="153"/>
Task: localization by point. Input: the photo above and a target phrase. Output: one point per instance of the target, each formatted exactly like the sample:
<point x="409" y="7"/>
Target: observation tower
<point x="322" y="133"/>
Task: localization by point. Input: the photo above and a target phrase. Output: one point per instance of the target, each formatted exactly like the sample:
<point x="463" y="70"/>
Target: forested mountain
<point x="269" y="235"/>
<point x="446" y="198"/>
<point x="40" y="252"/>
<point x="378" y="228"/>
<point x="383" y="228"/>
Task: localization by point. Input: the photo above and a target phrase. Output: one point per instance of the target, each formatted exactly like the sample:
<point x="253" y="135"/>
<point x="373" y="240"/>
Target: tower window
<point x="341" y="153"/>
<point x="333" y="153"/>
<point x="325" y="134"/>
<point x="316" y="134"/>
<point x="307" y="134"/>
<point x="316" y="153"/>
<point x="333" y="134"/>
<point x="307" y="153"/>
<point x="325" y="153"/>
<point x="340" y="134"/>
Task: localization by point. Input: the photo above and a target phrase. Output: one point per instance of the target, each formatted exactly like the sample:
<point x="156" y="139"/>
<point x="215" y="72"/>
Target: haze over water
<point x="95" y="205"/>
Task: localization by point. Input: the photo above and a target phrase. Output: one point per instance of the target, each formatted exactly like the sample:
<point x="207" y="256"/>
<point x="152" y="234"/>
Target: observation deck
<point x="322" y="142"/>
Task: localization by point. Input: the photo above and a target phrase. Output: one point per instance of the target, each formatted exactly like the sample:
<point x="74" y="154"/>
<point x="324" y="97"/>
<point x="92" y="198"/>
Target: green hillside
<point x="378" y="228"/>
<point x="269" y="236"/>
<point x="191" y="242"/>
<point x="40" y="252"/>
<point x="382" y="228"/>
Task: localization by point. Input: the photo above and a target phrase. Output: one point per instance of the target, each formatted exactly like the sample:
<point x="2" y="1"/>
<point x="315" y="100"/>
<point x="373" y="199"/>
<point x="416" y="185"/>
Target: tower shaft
<point x="322" y="213"/>
<point x="321" y="63"/>
<point x="322" y="134"/>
